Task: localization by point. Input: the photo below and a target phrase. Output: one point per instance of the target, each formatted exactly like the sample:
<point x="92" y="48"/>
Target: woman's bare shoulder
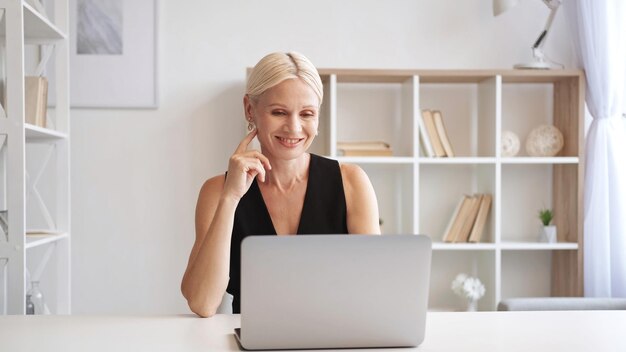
<point x="362" y="207"/>
<point x="209" y="194"/>
<point x="353" y="175"/>
<point x="215" y="183"/>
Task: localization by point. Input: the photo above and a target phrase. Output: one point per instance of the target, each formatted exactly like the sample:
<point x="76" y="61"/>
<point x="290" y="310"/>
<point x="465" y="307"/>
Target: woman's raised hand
<point x="243" y="166"/>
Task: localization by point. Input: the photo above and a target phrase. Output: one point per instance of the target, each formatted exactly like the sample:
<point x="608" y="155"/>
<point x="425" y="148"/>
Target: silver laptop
<point x="333" y="291"/>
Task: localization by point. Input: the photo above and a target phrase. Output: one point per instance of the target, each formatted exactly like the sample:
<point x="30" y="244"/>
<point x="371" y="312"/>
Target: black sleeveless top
<point x="323" y="212"/>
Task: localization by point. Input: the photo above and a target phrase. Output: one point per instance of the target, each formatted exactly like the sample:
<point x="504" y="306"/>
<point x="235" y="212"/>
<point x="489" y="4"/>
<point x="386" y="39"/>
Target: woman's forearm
<point x="207" y="277"/>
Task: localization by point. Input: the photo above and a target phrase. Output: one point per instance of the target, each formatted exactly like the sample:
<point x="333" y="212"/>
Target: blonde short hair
<point x="277" y="67"/>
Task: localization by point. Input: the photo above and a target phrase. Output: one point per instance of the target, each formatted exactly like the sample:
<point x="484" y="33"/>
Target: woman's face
<point x="286" y="118"/>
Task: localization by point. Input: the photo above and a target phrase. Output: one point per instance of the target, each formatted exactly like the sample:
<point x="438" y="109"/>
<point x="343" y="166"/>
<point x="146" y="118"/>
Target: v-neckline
<point x="302" y="212"/>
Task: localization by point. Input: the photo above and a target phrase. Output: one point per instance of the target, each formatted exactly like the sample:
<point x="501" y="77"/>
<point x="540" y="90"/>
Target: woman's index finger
<point x="245" y="142"/>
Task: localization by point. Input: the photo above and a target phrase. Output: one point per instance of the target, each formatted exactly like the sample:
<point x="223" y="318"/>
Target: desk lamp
<point x="539" y="61"/>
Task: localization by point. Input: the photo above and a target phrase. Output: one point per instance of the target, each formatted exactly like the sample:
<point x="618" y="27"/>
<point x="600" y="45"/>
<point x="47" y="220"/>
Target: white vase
<point x="472" y="305"/>
<point x="548" y="233"/>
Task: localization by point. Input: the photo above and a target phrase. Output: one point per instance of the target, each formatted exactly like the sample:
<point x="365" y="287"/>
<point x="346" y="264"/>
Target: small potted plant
<point x="548" y="232"/>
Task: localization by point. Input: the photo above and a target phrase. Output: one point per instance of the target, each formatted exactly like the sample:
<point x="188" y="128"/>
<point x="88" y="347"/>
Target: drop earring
<point x="250" y="126"/>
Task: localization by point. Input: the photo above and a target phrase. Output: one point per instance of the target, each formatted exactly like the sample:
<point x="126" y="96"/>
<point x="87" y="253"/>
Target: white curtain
<point x="599" y="31"/>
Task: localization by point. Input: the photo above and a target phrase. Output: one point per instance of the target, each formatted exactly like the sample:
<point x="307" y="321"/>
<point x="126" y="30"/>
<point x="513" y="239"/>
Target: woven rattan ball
<point x="510" y="144"/>
<point x="545" y="140"/>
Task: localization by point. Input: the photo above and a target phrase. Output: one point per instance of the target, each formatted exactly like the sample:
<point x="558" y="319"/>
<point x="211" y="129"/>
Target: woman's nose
<point x="294" y="124"/>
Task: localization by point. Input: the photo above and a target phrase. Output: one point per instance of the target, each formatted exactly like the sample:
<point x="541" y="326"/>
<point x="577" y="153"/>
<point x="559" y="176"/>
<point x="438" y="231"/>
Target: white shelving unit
<point x="35" y="163"/>
<point x="418" y="194"/>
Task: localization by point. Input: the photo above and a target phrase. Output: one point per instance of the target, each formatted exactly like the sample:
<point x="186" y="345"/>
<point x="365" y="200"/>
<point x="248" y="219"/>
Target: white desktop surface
<point x="482" y="331"/>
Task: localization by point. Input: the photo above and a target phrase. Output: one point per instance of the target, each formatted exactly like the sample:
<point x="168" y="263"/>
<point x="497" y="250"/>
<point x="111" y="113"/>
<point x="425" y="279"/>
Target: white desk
<point x="488" y="331"/>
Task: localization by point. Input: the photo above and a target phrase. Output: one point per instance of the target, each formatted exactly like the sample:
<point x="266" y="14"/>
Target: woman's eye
<point x="278" y="113"/>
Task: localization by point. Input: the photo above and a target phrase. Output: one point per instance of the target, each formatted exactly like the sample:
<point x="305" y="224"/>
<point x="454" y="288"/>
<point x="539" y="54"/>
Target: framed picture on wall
<point x="113" y="53"/>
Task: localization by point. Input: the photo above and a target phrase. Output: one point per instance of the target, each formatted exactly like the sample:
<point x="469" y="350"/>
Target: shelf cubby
<point x="468" y="110"/>
<point x="530" y="185"/>
<point x="446" y="265"/>
<point x="393" y="184"/>
<point x="376" y="110"/>
<point x="441" y="187"/>
<point x="525" y="273"/>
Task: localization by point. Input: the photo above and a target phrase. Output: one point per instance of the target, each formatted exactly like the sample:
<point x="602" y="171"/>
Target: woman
<point x="281" y="190"/>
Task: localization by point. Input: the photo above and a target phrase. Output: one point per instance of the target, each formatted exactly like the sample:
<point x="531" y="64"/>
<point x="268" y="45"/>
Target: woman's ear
<point x="248" y="109"/>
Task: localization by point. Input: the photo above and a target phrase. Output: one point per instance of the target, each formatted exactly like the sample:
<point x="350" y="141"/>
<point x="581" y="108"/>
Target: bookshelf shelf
<point x="33" y="241"/>
<point x="37" y="28"/>
<point x="457" y="160"/>
<point x="375" y="160"/>
<point x="522" y="246"/>
<point x="540" y="160"/>
<point x="418" y="194"/>
<point x="39" y="134"/>
<point x="438" y="246"/>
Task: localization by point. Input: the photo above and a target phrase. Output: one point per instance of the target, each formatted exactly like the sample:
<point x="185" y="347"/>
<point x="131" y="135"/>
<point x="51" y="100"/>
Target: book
<point x="443" y="134"/>
<point x="363" y="145"/>
<point x="365" y="152"/>
<point x="481" y="219"/>
<point x="364" y="148"/>
<point x="457" y="219"/>
<point x="447" y="234"/>
<point x="425" y="142"/>
<point x="432" y="133"/>
<point x="35" y="100"/>
<point x="468" y="220"/>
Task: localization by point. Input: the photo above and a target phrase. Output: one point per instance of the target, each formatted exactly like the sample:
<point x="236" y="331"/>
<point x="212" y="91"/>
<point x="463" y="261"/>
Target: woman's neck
<point x="286" y="174"/>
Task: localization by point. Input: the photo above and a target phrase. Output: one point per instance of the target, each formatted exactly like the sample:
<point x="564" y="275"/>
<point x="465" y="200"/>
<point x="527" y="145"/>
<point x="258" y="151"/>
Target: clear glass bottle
<point x="30" y="307"/>
<point x="36" y="298"/>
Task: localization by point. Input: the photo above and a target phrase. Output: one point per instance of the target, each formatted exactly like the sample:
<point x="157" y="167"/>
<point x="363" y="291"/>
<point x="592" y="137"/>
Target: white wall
<point x="136" y="173"/>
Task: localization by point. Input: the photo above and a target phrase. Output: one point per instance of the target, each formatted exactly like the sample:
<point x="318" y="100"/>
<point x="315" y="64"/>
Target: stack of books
<point x="364" y="148"/>
<point x="469" y="218"/>
<point x="433" y="136"/>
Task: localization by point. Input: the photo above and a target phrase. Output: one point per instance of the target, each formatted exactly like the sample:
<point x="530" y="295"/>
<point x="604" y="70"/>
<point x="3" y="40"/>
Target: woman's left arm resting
<point x="361" y="203"/>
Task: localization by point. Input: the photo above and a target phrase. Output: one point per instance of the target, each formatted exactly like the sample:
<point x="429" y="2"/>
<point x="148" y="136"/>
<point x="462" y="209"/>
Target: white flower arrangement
<point x="468" y="287"/>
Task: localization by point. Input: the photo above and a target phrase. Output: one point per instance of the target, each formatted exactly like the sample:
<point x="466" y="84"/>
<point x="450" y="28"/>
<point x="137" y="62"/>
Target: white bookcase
<point x="418" y="194"/>
<point x="34" y="161"/>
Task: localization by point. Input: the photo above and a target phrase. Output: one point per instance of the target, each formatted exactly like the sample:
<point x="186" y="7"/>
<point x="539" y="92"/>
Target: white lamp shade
<point x="500" y="6"/>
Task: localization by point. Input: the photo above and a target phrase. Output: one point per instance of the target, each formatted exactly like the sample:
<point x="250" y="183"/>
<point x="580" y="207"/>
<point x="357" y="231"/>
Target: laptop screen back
<point x="334" y="291"/>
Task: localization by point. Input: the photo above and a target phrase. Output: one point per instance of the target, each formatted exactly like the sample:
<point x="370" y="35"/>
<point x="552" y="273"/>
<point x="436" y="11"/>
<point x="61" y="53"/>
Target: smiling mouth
<point x="289" y="141"/>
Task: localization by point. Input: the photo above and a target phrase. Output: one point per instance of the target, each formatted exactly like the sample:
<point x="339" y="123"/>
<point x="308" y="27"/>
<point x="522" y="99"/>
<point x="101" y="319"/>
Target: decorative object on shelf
<point x="35" y="303"/>
<point x="509" y="144"/>
<point x="470" y="288"/>
<point x="548" y="232"/>
<point x="545" y="140"/>
<point x="540" y="61"/>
